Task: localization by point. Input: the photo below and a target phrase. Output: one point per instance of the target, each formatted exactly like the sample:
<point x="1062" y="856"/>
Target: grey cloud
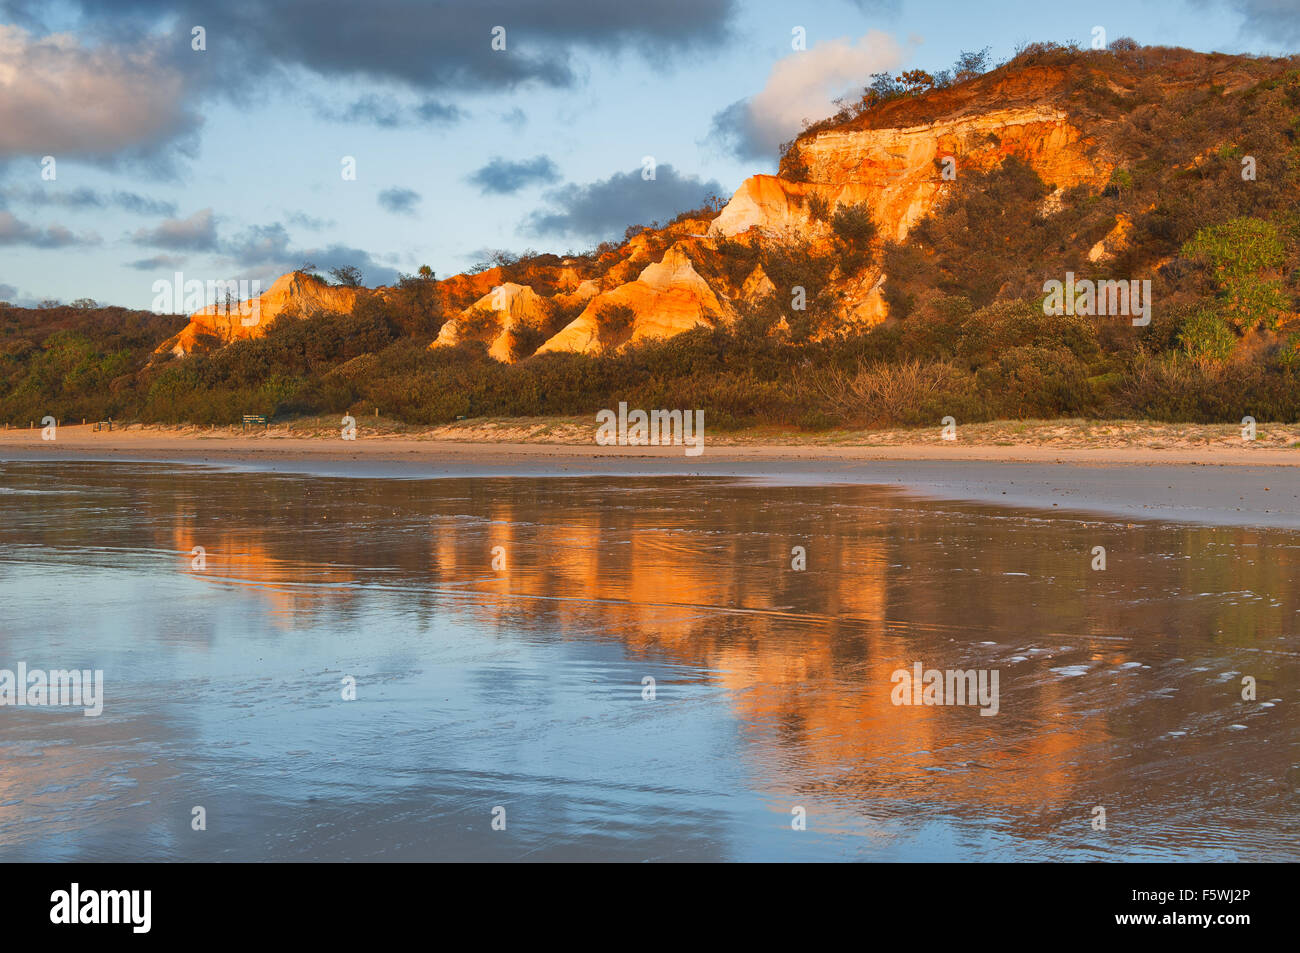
<point x="399" y="201"/>
<point x="140" y="204"/>
<point x="267" y="252"/>
<point x="433" y="111"/>
<point x="14" y="231"/>
<point x="335" y="256"/>
<point x="387" y="114"/>
<point x="421" y="44"/>
<point x="604" y="208"/>
<point x="735" y="130"/>
<point x="157" y="263"/>
<point x="303" y="220"/>
<point x="503" y="177"/>
<point x="196" y="233"/>
<point x="266" y="245"/>
<point x="118" y="90"/>
<point x="83" y="198"/>
<point x="1268" y="19"/>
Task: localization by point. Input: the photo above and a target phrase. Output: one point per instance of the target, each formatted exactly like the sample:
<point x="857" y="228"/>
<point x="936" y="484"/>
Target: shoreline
<point x="1213" y="484"/>
<point x="1064" y="441"/>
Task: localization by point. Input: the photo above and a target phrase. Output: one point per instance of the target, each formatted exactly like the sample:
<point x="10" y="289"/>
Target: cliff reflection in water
<point x="523" y="685"/>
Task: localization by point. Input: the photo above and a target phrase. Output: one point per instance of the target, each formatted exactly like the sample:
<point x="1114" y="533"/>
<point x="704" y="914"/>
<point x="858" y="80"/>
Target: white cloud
<point x="805" y="85"/>
<point x="59" y="97"/>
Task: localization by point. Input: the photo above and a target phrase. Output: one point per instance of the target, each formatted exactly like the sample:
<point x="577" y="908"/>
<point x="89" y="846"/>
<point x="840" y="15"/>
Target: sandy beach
<point x="1171" y="472"/>
<point x="540" y="439"/>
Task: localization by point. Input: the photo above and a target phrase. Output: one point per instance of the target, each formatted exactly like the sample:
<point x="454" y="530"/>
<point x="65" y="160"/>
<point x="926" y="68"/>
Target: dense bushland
<point x="1006" y="360"/>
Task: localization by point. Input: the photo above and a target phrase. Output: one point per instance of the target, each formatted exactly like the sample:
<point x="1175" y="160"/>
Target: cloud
<point x="303" y="220"/>
<point x="504" y="177"/>
<point x="399" y="201"/>
<point x="264" y="246"/>
<point x="803" y="85"/>
<point x="140" y="204"/>
<point x="14" y="231"/>
<point x="606" y="207"/>
<point x="1275" y="20"/>
<point x="482" y="254"/>
<point x="420" y="44"/>
<point x="335" y="256"/>
<point x="196" y="233"/>
<point x="8" y="292"/>
<point x="433" y="111"/>
<point x="157" y="263"/>
<point x="384" y="112"/>
<point x="129" y="86"/>
<point x="266" y="252"/>
<point x="62" y="98"/>
<point x="83" y="198"/>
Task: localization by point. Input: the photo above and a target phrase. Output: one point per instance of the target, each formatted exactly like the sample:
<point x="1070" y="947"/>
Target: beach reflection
<point x="523" y="684"/>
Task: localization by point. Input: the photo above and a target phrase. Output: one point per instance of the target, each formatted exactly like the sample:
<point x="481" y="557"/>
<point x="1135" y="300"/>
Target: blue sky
<point x="226" y="162"/>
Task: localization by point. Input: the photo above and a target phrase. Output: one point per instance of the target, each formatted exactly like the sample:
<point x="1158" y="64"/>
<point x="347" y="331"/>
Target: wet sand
<point x="522" y="685"/>
<point x="1215" y="484"/>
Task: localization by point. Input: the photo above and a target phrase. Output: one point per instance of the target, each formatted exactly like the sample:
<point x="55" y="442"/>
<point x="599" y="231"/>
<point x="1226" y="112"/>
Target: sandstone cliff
<point x="496" y="319"/>
<point x="900" y="172"/>
<point x="295" y="292"/>
<point x="651" y="285"/>
<point x="895" y="163"/>
<point x="667" y="298"/>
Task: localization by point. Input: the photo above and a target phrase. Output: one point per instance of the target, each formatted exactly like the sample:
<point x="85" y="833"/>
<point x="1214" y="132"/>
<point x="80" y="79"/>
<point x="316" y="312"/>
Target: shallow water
<point x="522" y="687"/>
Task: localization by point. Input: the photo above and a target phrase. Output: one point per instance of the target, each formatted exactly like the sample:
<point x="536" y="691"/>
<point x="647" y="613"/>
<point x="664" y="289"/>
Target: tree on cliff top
<point x="347" y="275"/>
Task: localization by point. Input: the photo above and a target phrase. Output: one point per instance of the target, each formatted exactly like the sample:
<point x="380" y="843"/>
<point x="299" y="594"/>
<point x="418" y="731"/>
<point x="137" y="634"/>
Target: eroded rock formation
<point x="653" y="286"/>
<point x="222" y="323"/>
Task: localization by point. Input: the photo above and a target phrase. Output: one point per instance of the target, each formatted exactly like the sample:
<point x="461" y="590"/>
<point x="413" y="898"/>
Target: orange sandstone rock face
<point x="292" y="292"/>
<point x="782" y="210"/>
<point x="899" y="172"/>
<point x="460" y="291"/>
<point x="1116" y="240"/>
<point x="495" y="318"/>
<point x="757" y="286"/>
<point x="864" y="299"/>
<point x="667" y="298"/>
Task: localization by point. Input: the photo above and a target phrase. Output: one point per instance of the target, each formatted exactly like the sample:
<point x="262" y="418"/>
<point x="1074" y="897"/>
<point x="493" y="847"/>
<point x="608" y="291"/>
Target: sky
<point x="142" y="138"/>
